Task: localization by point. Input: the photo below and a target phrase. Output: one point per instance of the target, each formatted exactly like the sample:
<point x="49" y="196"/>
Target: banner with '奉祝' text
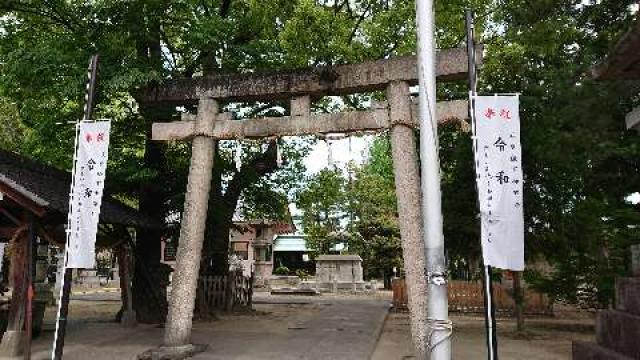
<point x="86" y="194"/>
<point x="499" y="177"/>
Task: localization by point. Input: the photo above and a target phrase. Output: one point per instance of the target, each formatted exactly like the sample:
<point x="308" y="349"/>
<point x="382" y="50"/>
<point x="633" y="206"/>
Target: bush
<point x="282" y="270"/>
<point x="302" y="274"/>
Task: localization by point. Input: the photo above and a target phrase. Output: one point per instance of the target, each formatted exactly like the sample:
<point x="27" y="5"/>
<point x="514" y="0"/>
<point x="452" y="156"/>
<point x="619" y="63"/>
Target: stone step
<point x="619" y="331"/>
<point x="288" y="291"/>
<point x="591" y="351"/>
<point x="628" y="295"/>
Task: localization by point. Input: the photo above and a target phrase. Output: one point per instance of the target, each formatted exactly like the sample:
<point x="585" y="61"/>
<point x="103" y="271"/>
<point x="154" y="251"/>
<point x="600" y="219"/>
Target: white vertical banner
<point x="499" y="177"/>
<point x="86" y="194"/>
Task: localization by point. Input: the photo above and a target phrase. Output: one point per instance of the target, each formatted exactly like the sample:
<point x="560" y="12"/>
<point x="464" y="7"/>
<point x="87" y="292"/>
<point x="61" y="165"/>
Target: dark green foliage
<point x="323" y="202"/>
<point x="579" y="162"/>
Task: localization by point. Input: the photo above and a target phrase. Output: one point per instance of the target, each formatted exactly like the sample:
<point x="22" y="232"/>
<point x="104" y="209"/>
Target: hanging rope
<point x="278" y="154"/>
<point x="238" y="155"/>
<point x="329" y="153"/>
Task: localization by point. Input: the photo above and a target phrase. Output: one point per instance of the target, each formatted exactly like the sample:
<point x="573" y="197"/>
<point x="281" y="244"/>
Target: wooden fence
<point x="468" y="297"/>
<point x="223" y="293"/>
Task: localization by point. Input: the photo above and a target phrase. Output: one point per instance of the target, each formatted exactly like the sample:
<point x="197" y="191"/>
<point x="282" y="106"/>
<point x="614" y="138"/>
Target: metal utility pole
<point x="439" y="346"/>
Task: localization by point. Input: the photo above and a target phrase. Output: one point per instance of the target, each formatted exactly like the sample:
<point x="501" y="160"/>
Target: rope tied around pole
<point x="435" y="325"/>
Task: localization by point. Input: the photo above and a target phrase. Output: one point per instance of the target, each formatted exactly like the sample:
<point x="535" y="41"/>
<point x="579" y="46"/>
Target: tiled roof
<point x="49" y="187"/>
<point x="623" y="62"/>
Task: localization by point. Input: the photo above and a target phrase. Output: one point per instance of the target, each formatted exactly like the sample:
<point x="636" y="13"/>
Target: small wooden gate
<point x="223" y="293"/>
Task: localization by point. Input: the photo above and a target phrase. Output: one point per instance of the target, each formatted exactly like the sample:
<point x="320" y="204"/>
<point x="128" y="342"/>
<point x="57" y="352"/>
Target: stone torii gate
<point x="398" y="114"/>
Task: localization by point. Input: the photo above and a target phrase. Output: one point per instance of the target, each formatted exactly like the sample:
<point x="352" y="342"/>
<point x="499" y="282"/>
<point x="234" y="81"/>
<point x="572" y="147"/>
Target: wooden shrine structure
<point x="623" y="64"/>
<point x="301" y="87"/>
<point x="34" y="204"/>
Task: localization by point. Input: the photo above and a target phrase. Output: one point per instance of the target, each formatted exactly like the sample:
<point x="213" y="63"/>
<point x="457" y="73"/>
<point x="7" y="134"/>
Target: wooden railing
<point x="467" y="297"/>
<point x="223" y="293"/>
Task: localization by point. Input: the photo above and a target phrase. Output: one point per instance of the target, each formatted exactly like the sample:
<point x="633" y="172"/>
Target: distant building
<point x="253" y="243"/>
<point x="261" y="246"/>
<point x="250" y="241"/>
<point x="290" y="250"/>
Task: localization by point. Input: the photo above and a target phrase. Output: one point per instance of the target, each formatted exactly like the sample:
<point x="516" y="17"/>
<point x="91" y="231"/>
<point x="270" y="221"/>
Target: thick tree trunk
<point x="12" y="344"/>
<point x="151" y="276"/>
<point x="518" y="297"/>
<point x="219" y="221"/>
<point x="18" y="283"/>
<point x="223" y="206"/>
<point x="218" y="229"/>
<point x="126" y="316"/>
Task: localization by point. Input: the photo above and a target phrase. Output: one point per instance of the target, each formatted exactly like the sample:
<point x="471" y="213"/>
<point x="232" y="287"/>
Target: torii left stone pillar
<point x="177" y="334"/>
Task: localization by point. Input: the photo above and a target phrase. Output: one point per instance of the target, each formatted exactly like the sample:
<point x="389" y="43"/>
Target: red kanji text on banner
<point x="499" y="177"/>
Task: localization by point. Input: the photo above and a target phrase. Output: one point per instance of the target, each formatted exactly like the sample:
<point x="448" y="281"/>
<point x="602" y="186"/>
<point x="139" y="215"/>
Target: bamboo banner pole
<point x="487" y="288"/>
<point x="65" y="288"/>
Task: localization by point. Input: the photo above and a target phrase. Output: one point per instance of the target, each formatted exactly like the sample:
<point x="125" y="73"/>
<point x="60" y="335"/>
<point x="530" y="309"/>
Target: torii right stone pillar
<point x="177" y="336"/>
<point x="407" y="180"/>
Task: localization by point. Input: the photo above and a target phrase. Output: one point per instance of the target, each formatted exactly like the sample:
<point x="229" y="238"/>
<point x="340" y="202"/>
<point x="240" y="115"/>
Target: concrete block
<point x="591" y="351"/>
<point x="619" y="332"/>
<point x="628" y="295"/>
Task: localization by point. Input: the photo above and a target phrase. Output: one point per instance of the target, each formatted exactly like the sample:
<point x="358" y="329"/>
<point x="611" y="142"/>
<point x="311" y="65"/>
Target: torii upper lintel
<point x="313" y="81"/>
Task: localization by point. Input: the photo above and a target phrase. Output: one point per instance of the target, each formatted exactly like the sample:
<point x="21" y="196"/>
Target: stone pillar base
<point x="173" y="352"/>
<point x="12" y="344"/>
<point x="128" y="319"/>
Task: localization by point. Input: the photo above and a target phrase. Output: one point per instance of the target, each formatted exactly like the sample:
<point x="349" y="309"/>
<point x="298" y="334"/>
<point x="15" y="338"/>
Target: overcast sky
<point x="339" y="154"/>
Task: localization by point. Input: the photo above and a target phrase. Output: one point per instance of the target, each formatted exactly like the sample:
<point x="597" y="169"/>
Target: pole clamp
<point x="439" y="278"/>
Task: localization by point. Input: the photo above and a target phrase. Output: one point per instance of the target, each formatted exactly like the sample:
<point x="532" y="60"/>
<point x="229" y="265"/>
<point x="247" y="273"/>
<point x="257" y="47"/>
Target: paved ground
<point x="324" y="327"/>
<point x="545" y="339"/>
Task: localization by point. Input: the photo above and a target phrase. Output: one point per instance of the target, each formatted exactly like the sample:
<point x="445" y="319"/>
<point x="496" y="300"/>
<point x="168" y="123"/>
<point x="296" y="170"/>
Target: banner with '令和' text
<point x="86" y="194"/>
<point x="499" y="178"/>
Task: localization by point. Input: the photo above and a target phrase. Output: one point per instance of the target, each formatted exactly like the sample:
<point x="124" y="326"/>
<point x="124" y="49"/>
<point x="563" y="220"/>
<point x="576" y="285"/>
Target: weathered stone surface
<point x="407" y="179"/>
<point x="343" y="271"/>
<point x="628" y="295"/>
<point x="301" y="106"/>
<point x="184" y="283"/>
<point x="591" y="351"/>
<point x="299" y="291"/>
<point x="304" y="124"/>
<point x="319" y="81"/>
<point x="619" y="332"/>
